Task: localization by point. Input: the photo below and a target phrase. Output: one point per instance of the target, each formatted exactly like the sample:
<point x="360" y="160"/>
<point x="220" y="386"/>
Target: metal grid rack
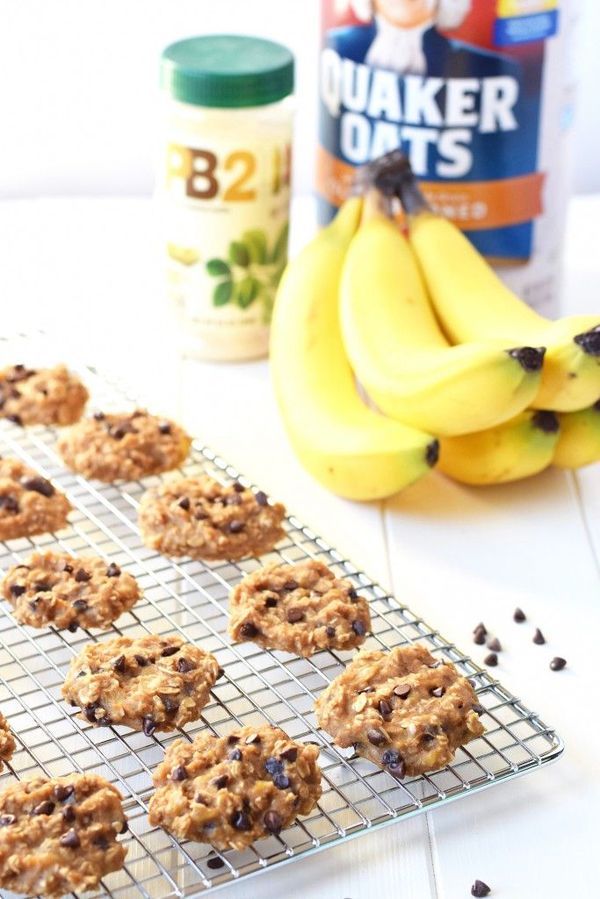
<point x="190" y="598"/>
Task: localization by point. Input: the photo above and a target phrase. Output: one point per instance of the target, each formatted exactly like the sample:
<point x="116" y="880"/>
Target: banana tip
<point x="432" y="453"/>
<point x="589" y="341"/>
<point x="546" y="421"/>
<point x="529" y="358"/>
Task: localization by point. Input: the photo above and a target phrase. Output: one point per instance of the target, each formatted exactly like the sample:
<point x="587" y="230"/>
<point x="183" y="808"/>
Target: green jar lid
<point x="227" y="71"/>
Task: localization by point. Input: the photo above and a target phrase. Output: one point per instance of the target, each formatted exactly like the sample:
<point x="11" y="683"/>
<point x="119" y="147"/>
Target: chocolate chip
<point x="119" y="664"/>
<point x="557" y="664"/>
<point x="272" y="822"/>
<point x="170" y="650"/>
<point x="80" y="605"/>
<point x="480" y="627"/>
<point x="359" y="628"/>
<point x="9" y="503"/>
<point x="274" y="766"/>
<point x="42" y="587"/>
<point x="519" y="616"/>
<point x="99" y="416"/>
<point x="391" y="757"/>
<point x="17" y="590"/>
<point x="478" y="709"/>
<point x="290" y="585"/>
<point x="402" y="690"/>
<point x="200" y="799"/>
<point x="235" y="755"/>
<point x="124" y="827"/>
<point x="113" y="570"/>
<point x="101" y="842"/>
<point x="149" y="725"/>
<point x="184" y="665"/>
<point x="290" y="755"/>
<point x="491" y="660"/>
<point x="232" y="739"/>
<point x="164" y="427"/>
<point x="214" y="863"/>
<point x="385" y="709"/>
<point x="330" y="631"/>
<point x="68" y="814"/>
<point x="179" y="773"/>
<point x="261" y="498"/>
<point x="480" y="889"/>
<point x="240" y="821"/>
<point x="249" y="630"/>
<point x="61" y="793"/>
<point x="171" y="705"/>
<point x="39" y="485"/>
<point x="479" y="637"/>
<point x="428" y="735"/>
<point x="252" y="738"/>
<point x="70" y="839"/>
<point x="352" y="594"/>
<point x="538" y="637"/>
<point x="16" y="420"/>
<point x="5" y="820"/>
<point x="44" y="808"/>
<point x="295" y="615"/>
<point x="281" y="781"/>
<point x="184" y="503"/>
<point x="494" y="645"/>
<point x="82" y="576"/>
<point x="68" y="568"/>
<point x="221" y="782"/>
<point x="142" y="662"/>
<point x="376" y="736"/>
<point x="239" y="488"/>
<point x="235" y="526"/>
<point x="438" y="692"/>
<point x="270" y="602"/>
<point x="117" y="431"/>
<point x="398" y="770"/>
<point x="72" y="626"/>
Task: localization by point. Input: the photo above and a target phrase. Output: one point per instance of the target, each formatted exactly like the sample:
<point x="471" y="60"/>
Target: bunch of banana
<point x="579" y="441"/>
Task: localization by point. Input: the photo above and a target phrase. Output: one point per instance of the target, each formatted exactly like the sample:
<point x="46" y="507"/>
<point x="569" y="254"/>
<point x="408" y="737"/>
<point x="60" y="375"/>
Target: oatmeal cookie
<point x="230" y="791"/>
<point x="200" y="518"/>
<point x="299" y="608"/>
<point x="55" y="588"/>
<point x="149" y="683"/>
<point x="59" y="835"/>
<point x="47" y="396"/>
<point x="126" y="447"/>
<point x="402" y="710"/>
<point x="29" y="504"/>
<point x="7" y="742"/>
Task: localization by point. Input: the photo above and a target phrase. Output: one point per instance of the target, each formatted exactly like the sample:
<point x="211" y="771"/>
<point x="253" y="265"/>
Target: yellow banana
<point x="349" y="448"/>
<point x="401" y="356"/>
<point x="516" y="449"/>
<point x="579" y="442"/>
<point x="472" y="303"/>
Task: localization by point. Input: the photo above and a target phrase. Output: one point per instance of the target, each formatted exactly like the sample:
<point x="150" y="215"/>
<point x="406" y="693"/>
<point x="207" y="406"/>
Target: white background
<point x="78" y="87"/>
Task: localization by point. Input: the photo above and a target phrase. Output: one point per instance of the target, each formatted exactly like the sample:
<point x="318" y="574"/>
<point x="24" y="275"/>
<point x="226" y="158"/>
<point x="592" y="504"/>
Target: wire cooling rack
<point x="190" y="598"/>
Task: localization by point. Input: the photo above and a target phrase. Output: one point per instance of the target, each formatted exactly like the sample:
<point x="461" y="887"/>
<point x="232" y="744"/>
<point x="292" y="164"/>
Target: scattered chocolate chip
<point x="184" y="665"/>
<point x="480" y="889"/>
<point x="491" y="660"/>
<point x="479" y="637"/>
<point x="124" y="827"/>
<point x="70" y="839"/>
<point x="330" y="631"/>
<point x="494" y="645"/>
<point x="39" y="485"/>
<point x="119" y="664"/>
<point x="149" y="725"/>
<point x="519" y="616"/>
<point x="200" y="514"/>
<point x="68" y="814"/>
<point x="44" y="808"/>
<point x="557" y="664"/>
<point x="101" y="842"/>
<point x="270" y="602"/>
<point x="17" y="590"/>
<point x="170" y="650"/>
<point x="359" y="628"/>
<point x="82" y="576"/>
<point x="402" y="690"/>
<point x="9" y="503"/>
<point x="480" y="627"/>
<point x="235" y="755"/>
<point x="42" y="587"/>
<point x="438" y="692"/>
<point x="215" y="863"/>
<point x="117" y="431"/>
<point x="142" y="662"/>
<point x="385" y="709"/>
<point x="391" y="757"/>
<point x="99" y="416"/>
<point x="291" y="585"/>
<point x="478" y="709"/>
<point x="538" y="637"/>
<point x="428" y="735"/>
<point x="281" y="781"/>
<point x="164" y="427"/>
<point x="376" y="736"/>
<point x="232" y="739"/>
<point x="72" y="626"/>
<point x="272" y="822"/>
<point x="200" y="799"/>
<point x="235" y="526"/>
<point x="252" y="738"/>
<point x="261" y="498"/>
<point x="249" y="630"/>
<point x="220" y="673"/>
<point x="295" y="615"/>
<point x="352" y="594"/>
<point x="179" y="773"/>
<point x="171" y="705"/>
<point x="113" y="570"/>
<point x="239" y="488"/>
<point x="274" y="766"/>
<point x="80" y="605"/>
<point x="16" y="420"/>
<point x="61" y="793"/>
<point x="240" y="821"/>
<point x="221" y="782"/>
<point x="290" y="755"/>
<point x="5" y="820"/>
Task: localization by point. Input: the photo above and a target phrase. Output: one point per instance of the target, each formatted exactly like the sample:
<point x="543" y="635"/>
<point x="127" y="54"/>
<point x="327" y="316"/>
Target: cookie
<point x="299" y="608"/>
<point x="126" y="446"/>
<point x="46" y="396"/>
<point x="402" y="710"/>
<point x="29" y="504"/>
<point x="149" y="683"/>
<point x="202" y="519"/>
<point x="7" y="742"/>
<point x="230" y="791"/>
<point x="58" y="589"/>
<point x="59" y="835"/>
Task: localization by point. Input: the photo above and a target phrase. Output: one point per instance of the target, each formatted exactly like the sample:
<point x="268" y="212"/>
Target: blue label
<point x="525" y="29"/>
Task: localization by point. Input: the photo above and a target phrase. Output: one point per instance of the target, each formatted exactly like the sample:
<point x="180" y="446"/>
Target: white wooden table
<point x="86" y="270"/>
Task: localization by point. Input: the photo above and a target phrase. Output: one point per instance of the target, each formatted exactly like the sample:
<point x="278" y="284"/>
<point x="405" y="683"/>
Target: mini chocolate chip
<point x="215" y="863"/>
<point x="184" y="665"/>
<point x="42" y="587"/>
<point x="479" y="637"/>
<point x="72" y="626"/>
<point x="249" y="630"/>
<point x="295" y="615"/>
<point x="480" y="889"/>
<point x="438" y="692"/>
<point x="261" y="498"/>
<point x="352" y="594"/>
<point x="117" y="431"/>
<point x="16" y="420"/>
<point x="281" y="781"/>
<point x="9" y="503"/>
<point x="220" y="673"/>
<point x="398" y="770"/>
<point x="44" y="808"/>
<point x="99" y="416"/>
<point x="376" y="736"/>
<point x="179" y="773"/>
<point x="200" y="515"/>
<point x="385" y="709"/>
<point x="557" y="664"/>
<point x="402" y="690"/>
<point x="273" y="822"/>
<point x="68" y="568"/>
<point x="70" y="839"/>
<point x="290" y="585"/>
<point x="170" y="650"/>
<point x="235" y="526"/>
<point x="164" y="427"/>
<point x="491" y="660"/>
<point x="480" y="627"/>
<point x="290" y="755"/>
<point x="252" y="738"/>
<point x="200" y="799"/>
<point x="17" y="590"/>
<point x="5" y="820"/>
<point x="232" y="739"/>
<point x="39" y="485"/>
<point x="359" y="628"/>
<point x="220" y="782"/>
<point x="171" y="705"/>
<point x="241" y="821"/>
<point x="101" y="842"/>
<point x="428" y="736"/>
<point x="119" y="664"/>
<point x="239" y="488"/>
<point x="61" y="793"/>
<point x="391" y="757"/>
<point x="478" y="709"/>
<point x="149" y="725"/>
<point x="494" y="645"/>
<point x="235" y="755"/>
<point x="519" y="616"/>
<point x="274" y="766"/>
<point x="113" y="570"/>
<point x="80" y="605"/>
<point x="124" y="827"/>
<point x="270" y="602"/>
<point x="330" y="631"/>
<point x="142" y="662"/>
<point x="538" y="637"/>
<point x="184" y="503"/>
<point x="82" y="576"/>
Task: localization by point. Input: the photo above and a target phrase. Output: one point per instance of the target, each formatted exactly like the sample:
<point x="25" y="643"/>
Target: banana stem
<point x="375" y="205"/>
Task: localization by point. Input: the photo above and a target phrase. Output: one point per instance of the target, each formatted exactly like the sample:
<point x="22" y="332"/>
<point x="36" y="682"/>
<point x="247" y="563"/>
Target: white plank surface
<point x="86" y="270"/>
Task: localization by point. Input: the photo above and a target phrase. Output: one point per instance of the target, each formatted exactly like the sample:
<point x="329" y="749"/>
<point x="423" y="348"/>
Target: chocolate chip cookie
<point x="55" y="588"/>
<point x="60" y="835"/>
<point x="202" y="519"/>
<point x="402" y="709"/>
<point x="46" y="396"/>
<point x="230" y="791"/>
<point x="149" y="683"/>
<point x="126" y="446"/>
<point x="299" y="608"/>
<point x="29" y="504"/>
<point x="7" y="741"/>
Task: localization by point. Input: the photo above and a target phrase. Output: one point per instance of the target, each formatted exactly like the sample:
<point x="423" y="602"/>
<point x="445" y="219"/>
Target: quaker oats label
<point x="479" y="96"/>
